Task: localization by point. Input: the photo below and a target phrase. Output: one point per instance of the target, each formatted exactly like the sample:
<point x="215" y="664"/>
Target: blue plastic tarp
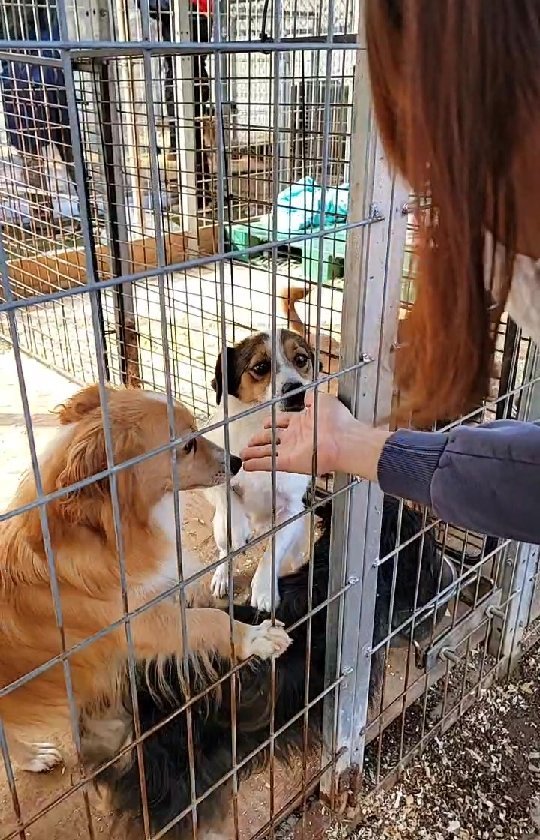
<point x="299" y="207"/>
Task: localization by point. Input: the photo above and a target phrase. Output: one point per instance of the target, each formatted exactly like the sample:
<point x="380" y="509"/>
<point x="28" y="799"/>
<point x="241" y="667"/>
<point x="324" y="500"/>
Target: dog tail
<point x="288" y="298"/>
<point x="287" y="301"/>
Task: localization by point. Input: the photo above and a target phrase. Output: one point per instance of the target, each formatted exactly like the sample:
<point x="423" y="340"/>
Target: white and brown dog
<point x="249" y="383"/>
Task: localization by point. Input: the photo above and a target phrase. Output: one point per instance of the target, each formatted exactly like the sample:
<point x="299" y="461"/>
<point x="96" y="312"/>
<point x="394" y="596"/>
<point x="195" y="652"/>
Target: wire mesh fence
<point x="181" y="181"/>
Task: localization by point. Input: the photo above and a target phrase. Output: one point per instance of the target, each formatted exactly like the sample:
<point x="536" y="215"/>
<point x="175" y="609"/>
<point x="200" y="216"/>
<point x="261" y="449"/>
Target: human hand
<point x="295" y="442"/>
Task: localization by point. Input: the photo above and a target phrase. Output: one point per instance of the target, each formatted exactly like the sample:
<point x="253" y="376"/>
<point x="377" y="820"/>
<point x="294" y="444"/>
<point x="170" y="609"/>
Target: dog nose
<point x="294" y="402"/>
<point x="235" y="464"/>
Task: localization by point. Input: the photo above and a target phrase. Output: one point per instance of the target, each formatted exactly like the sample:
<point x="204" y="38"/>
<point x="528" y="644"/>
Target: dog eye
<point x="191" y="446"/>
<point x="261" y="368"/>
<point x="300" y="360"/>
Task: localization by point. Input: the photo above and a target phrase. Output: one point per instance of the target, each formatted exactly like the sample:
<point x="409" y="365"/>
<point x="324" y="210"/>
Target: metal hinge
<point x="445" y="647"/>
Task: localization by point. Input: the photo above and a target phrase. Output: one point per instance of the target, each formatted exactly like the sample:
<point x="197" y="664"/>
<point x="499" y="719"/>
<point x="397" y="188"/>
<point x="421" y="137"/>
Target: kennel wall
<point x="123" y="297"/>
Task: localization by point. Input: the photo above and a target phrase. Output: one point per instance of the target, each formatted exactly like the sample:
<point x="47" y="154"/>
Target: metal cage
<point x="152" y="155"/>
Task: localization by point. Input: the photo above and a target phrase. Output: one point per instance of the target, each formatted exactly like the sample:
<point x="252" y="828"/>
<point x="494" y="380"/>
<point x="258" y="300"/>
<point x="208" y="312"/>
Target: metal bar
<point x="31" y="58"/>
<point x="519" y="572"/>
<point x="82" y="188"/>
<point x="221" y="167"/>
<point x="185" y="129"/>
<point x="158" y="223"/>
<point x="356" y="523"/>
<point x="46" y="535"/>
<point x="110" y="118"/>
<point x="508" y="369"/>
<point x="462" y="630"/>
<point x="128" y="132"/>
<point x="530" y="409"/>
<point x="185" y="265"/>
<point x="81" y="50"/>
<point x="12" y="785"/>
<point x="100" y="25"/>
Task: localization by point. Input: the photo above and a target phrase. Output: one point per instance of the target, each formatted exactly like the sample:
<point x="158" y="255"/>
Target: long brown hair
<point x="452" y="81"/>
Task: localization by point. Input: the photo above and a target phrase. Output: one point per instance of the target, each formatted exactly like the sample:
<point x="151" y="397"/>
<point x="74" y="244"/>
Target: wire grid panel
<point x="444" y="639"/>
<point x="112" y="105"/>
<point x="250" y="85"/>
<point x="250" y="79"/>
<point x="118" y="290"/>
<point x="163" y="325"/>
<point x="529" y="609"/>
<point x="42" y="213"/>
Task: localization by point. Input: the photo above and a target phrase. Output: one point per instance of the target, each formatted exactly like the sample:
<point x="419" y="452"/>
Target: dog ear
<point x="79" y="405"/>
<point x="217" y="381"/>
<point x="232" y="375"/>
<point x="86" y="457"/>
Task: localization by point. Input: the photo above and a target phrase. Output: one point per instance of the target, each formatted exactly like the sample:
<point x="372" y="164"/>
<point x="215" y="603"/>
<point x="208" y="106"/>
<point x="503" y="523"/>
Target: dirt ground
<point x="480" y="781"/>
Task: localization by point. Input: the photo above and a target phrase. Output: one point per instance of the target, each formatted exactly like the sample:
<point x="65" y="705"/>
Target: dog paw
<point x="266" y="640"/>
<point x="220" y="581"/>
<point x="42" y="758"/>
<point x="200" y="594"/>
<point x="261" y="592"/>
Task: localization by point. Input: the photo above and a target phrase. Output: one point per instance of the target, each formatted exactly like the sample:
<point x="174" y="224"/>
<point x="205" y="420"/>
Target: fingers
<point x="257" y="452"/>
<point x="263" y="437"/>
<point x="257" y="464"/>
<point x="282" y="422"/>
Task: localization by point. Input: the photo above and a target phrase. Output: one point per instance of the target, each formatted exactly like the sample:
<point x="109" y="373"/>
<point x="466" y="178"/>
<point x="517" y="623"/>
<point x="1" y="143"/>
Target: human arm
<point x="485" y="478"/>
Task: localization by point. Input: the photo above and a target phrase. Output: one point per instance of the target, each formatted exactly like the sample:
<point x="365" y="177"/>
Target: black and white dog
<point x="109" y="728"/>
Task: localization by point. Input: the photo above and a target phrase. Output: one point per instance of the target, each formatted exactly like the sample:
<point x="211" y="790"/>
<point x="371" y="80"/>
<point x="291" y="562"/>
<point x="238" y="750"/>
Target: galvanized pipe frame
<point x="366" y="216"/>
<point x="514" y="598"/>
<point x="373" y="268"/>
<point x="521" y="571"/>
<point x="530" y="608"/>
<point x="85" y="50"/>
<point x="499" y="620"/>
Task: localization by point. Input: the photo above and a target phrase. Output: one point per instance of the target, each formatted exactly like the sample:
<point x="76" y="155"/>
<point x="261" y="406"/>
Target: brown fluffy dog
<point x="84" y="543"/>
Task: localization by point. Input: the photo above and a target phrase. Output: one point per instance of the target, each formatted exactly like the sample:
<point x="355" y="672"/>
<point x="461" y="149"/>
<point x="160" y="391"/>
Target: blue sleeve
<point x="485" y="478"/>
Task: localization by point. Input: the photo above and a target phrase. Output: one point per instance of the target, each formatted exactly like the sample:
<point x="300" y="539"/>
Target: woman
<point x="456" y="91"/>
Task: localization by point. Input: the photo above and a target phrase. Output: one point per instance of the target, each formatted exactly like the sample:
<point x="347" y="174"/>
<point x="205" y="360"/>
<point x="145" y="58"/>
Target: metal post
<point x="112" y="89"/>
<point x="373" y="268"/>
<point x="3" y="133"/>
<point x="118" y="230"/>
<point x="131" y="98"/>
<point x="83" y="24"/>
<point x="185" y="131"/>
<point x="520" y="572"/>
<point x="285" y="122"/>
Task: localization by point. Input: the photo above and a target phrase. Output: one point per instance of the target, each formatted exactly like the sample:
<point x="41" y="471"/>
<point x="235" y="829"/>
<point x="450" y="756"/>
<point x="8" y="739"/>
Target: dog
<point x="108" y="728"/>
<point x="249" y="383"/>
<point x="85" y="546"/>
